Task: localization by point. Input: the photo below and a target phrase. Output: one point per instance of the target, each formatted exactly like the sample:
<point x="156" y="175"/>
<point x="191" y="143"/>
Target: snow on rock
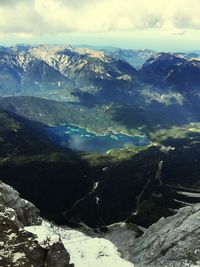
<point x="17" y="256"/>
<point x="84" y="251"/>
<point x="20" y="248"/>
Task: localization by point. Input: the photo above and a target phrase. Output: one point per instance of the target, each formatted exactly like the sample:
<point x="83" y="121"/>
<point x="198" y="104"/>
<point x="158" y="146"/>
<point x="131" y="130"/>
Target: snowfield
<point x="84" y="251"/>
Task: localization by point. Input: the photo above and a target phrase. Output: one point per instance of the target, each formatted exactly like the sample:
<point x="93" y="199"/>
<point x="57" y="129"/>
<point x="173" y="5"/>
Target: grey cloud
<point x="62" y="16"/>
<point x="13" y="2"/>
<point x="185" y="21"/>
<point x="78" y="3"/>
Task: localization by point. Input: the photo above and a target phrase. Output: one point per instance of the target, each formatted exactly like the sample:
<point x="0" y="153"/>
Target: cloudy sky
<point x="157" y="24"/>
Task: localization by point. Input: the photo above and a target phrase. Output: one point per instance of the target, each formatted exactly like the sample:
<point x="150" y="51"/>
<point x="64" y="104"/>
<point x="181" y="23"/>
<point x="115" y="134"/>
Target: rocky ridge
<point x="43" y="244"/>
<point x="89" y="76"/>
<point x="26" y="212"/>
<point x="171" y="242"/>
<point x="19" y="247"/>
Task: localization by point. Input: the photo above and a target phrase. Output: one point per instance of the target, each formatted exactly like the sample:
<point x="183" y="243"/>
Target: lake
<point x="80" y="139"/>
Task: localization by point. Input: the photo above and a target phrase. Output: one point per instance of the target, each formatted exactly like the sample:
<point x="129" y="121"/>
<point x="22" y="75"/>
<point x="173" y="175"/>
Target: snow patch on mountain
<point x="85" y="251"/>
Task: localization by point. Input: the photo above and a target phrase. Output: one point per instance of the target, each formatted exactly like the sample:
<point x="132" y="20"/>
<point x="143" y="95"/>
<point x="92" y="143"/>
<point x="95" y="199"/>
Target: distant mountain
<point x="64" y="73"/>
<point x="173" y="72"/>
<point x="94" y="72"/>
<point x="22" y="72"/>
<point x="190" y="55"/>
<point x="95" y="77"/>
<point x="134" y="57"/>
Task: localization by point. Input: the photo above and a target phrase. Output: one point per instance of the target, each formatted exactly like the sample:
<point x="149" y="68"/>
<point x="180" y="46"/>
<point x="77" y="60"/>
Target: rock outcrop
<point x="26" y="212"/>
<point x="57" y="256"/>
<point x="171" y="242"/>
<point x="19" y="247"/>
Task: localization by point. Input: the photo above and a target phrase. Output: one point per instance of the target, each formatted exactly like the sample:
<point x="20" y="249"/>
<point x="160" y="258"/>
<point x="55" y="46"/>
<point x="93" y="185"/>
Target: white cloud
<point x="40" y="17"/>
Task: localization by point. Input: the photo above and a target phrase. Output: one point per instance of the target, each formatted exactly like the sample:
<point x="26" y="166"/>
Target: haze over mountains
<point x="163" y="83"/>
<point x="67" y="73"/>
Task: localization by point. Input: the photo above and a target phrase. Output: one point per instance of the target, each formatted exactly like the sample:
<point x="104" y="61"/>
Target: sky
<point x="172" y="25"/>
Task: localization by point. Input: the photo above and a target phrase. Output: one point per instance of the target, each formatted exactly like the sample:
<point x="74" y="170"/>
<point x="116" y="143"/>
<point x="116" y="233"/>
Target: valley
<point x="103" y="182"/>
<point x="94" y="139"/>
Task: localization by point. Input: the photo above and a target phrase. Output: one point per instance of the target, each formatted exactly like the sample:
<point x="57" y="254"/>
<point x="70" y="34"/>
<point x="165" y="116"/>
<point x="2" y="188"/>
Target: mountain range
<point x="90" y="76"/>
<point x="98" y="90"/>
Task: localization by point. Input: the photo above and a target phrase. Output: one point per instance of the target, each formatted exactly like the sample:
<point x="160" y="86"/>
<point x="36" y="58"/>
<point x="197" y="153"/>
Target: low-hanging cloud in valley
<point x="40" y="17"/>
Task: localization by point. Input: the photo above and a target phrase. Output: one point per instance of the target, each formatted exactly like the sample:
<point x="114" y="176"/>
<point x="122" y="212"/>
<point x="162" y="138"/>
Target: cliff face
<point x="19" y="247"/>
<point x="26" y="212"/>
<point x="171" y="242"/>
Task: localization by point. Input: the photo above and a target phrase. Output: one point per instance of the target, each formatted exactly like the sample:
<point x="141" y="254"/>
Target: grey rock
<point x="122" y="235"/>
<point x="26" y="212"/>
<point x="19" y="247"/>
<point x="57" y="256"/>
<point x="171" y="242"/>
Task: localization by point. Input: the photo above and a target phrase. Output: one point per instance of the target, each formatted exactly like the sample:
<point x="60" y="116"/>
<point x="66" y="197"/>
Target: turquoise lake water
<point x="80" y="139"/>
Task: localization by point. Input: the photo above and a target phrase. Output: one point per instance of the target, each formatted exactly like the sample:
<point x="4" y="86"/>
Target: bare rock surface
<point x="19" y="247"/>
<point x="171" y="242"/>
<point x="26" y="212"/>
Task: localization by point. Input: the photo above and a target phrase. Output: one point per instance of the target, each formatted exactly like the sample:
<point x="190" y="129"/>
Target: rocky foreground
<point x="27" y="240"/>
<point x="171" y="242"/>
<point x="19" y="247"/>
